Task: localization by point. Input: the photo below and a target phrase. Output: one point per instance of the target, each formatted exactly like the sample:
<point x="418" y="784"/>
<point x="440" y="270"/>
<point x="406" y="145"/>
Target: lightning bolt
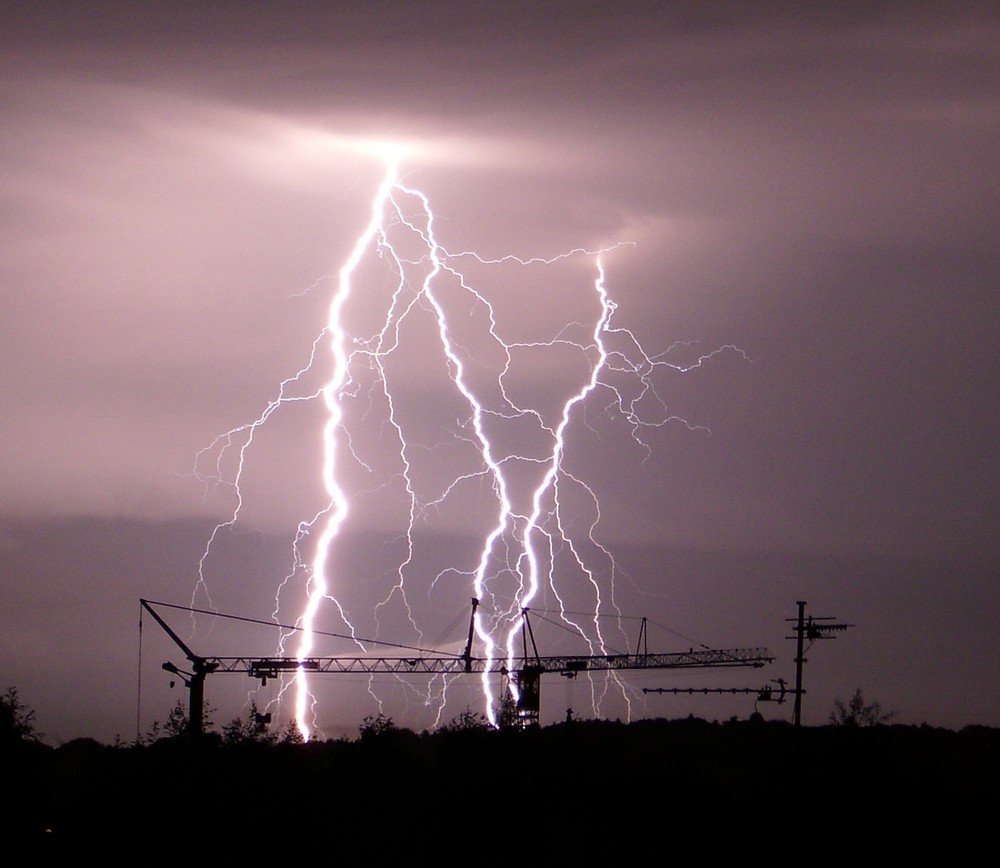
<point x="510" y="446"/>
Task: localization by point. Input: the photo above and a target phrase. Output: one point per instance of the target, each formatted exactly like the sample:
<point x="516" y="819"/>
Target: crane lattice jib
<point x="272" y="667"/>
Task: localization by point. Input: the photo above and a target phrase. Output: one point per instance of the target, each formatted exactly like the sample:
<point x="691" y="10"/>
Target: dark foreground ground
<point x="596" y="791"/>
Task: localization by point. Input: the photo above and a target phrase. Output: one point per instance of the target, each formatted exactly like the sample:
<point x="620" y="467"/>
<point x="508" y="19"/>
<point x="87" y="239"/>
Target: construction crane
<point x="526" y="674"/>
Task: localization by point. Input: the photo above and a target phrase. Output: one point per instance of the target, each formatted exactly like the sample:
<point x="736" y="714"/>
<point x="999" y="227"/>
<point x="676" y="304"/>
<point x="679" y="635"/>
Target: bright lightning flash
<point x="422" y="315"/>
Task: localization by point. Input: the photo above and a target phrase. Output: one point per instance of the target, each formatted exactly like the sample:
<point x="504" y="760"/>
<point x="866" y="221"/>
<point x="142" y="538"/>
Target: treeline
<point x="553" y="788"/>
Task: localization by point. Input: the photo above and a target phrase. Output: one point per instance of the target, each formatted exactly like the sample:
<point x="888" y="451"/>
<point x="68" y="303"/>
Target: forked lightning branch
<point x="518" y="395"/>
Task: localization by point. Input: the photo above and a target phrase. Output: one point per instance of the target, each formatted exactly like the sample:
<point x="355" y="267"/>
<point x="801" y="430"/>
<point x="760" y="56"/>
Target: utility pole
<point x="807" y="628"/>
<point x="799" y="660"/>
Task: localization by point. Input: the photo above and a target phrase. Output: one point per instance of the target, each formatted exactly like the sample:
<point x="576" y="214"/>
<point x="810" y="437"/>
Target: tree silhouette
<point x="373" y="727"/>
<point x="251" y="729"/>
<point x="859" y="713"/>
<point x="17" y="721"/>
<point x="467" y="720"/>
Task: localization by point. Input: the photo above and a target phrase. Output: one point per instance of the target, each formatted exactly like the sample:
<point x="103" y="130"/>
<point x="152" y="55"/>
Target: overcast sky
<point x="179" y="188"/>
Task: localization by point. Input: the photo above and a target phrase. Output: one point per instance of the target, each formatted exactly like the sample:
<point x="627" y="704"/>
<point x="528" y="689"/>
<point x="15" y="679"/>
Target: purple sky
<point x="179" y="188"/>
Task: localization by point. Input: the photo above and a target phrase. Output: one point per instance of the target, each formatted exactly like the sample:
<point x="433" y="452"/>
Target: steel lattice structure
<point x="271" y="667"/>
<point x="525" y="671"/>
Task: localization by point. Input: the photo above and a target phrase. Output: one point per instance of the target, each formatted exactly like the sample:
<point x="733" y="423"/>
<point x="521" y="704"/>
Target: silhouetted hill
<point x="563" y="789"/>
